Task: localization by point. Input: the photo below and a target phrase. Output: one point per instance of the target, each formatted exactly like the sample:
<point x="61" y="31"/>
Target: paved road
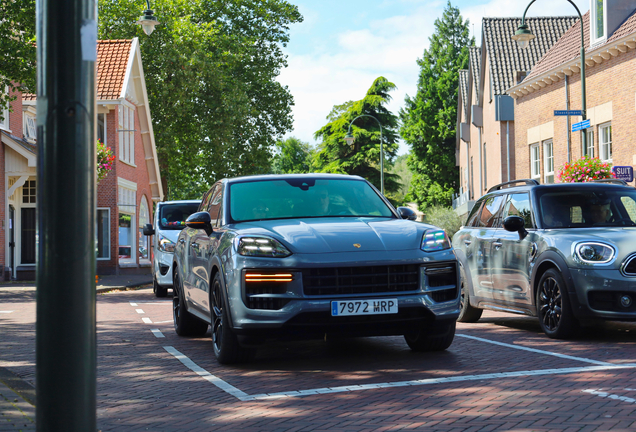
<point x="500" y="374"/>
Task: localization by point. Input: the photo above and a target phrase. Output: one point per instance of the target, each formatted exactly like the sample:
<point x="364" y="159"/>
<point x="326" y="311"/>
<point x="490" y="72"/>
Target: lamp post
<point x="148" y="21"/>
<point x="523" y="36"/>
<point x="349" y="138"/>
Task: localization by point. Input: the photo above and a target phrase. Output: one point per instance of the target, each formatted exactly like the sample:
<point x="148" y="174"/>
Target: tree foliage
<point x="292" y="157"/>
<point x="210" y="70"/>
<point x="17" y="48"/>
<point x="428" y="118"/>
<point x="363" y="157"/>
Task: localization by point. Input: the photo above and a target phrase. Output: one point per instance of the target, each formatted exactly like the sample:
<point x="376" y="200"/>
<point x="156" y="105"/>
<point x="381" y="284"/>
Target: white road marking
<point x="139" y="311"/>
<point x="147" y="320"/>
<point x="349" y="388"/>
<point x="157" y="333"/>
<point x="133" y="304"/>
<point x="519" y="347"/>
<point x="207" y="375"/>
<point x="163" y="322"/>
<point x="165" y="302"/>
<point x="6" y="311"/>
<point x="601" y="393"/>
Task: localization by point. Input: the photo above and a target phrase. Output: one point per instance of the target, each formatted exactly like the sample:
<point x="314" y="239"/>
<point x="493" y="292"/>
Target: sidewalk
<point x="104" y="283"/>
<point x="16" y="410"/>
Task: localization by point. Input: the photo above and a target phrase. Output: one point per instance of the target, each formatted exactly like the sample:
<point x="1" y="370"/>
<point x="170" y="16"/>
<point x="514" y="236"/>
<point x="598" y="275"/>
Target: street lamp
<point x="523" y="36"/>
<point x="148" y="21"/>
<point x="349" y="138"/>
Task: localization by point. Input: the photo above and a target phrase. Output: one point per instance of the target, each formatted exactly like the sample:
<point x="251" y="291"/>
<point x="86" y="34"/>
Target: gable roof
<point x="463" y="89"/>
<point x="474" y="66"/>
<point x="506" y="58"/>
<point x="112" y="63"/>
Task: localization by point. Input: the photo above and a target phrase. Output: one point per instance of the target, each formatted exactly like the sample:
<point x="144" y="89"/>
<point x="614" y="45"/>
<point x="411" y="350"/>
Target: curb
<point x="20" y="386"/>
<point x="132" y="287"/>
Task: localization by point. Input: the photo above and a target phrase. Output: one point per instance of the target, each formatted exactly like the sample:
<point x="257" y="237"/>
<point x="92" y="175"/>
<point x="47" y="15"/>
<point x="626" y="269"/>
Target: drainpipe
<point x="481" y="167"/>
<point x="508" y="146"/>
<point x="469" y="174"/>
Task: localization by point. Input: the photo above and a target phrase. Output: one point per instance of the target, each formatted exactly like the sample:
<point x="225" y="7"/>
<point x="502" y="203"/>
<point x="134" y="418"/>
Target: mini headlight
<point x="165" y="244"/>
<point x="435" y="240"/>
<point x="594" y="253"/>
<point x="261" y="247"/>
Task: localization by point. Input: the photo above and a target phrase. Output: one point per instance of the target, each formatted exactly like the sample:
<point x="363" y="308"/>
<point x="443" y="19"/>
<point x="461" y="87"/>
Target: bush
<point x="105" y="160"/>
<point x="445" y="218"/>
<point x="584" y="170"/>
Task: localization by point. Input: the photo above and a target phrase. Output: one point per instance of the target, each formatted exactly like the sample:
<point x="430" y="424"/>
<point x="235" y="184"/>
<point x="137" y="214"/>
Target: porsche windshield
<point x="586" y="207"/>
<point x="304" y="198"/>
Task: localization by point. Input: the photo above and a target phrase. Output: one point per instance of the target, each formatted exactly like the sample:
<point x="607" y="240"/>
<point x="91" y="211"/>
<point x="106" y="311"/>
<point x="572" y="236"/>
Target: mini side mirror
<point x="515" y="224"/>
<point x="149" y="230"/>
<point x="407" y="213"/>
<point x="200" y="220"/>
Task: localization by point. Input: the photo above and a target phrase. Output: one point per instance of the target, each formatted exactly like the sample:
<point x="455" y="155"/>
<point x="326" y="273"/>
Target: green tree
<point x="210" y="70"/>
<point x="428" y="119"/>
<point x="363" y="157"/>
<point x="17" y="48"/>
<point x="401" y="170"/>
<point x="292" y="157"/>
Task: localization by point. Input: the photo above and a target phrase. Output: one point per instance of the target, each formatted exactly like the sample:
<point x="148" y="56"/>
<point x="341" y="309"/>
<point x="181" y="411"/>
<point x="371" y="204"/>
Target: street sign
<point x="568" y="112"/>
<point x="624" y="173"/>
<point x="581" y="125"/>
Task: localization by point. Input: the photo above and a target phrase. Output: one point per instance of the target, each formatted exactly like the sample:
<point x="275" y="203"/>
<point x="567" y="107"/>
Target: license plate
<point x="364" y="307"/>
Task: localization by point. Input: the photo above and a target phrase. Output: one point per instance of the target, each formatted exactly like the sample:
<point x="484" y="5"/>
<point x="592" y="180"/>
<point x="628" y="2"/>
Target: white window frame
<point x="589" y="151"/>
<point x="127" y="134"/>
<point x="594" y="38"/>
<point x="106" y="258"/>
<point x="535" y="163"/>
<point x="126" y="204"/>
<point x="548" y="161"/>
<point x="605" y="148"/>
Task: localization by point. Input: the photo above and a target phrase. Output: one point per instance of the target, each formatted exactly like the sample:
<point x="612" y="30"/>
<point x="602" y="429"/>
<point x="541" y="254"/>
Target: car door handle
<point x="497" y="245"/>
<point x="467" y="242"/>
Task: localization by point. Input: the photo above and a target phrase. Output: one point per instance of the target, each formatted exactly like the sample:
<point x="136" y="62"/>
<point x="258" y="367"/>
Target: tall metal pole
<point x="381" y="148"/>
<point x="65" y="328"/>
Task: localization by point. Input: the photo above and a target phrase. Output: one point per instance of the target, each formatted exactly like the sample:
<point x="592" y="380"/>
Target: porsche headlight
<point x="594" y="253"/>
<point x="165" y="244"/>
<point x="435" y="240"/>
<point x="261" y="247"/>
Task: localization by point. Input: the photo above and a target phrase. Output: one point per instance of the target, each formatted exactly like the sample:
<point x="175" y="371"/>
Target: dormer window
<point x="29" y="128"/>
<point x="598" y="21"/>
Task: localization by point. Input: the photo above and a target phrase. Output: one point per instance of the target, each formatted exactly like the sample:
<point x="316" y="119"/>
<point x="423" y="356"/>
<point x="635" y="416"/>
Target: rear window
<point x="173" y="216"/>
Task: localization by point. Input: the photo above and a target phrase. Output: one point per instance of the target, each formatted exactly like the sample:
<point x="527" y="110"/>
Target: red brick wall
<point x="613" y="80"/>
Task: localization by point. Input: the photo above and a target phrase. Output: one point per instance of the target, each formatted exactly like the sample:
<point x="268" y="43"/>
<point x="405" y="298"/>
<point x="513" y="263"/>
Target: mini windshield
<point x="587" y="207"/>
<point x="304" y="198"/>
<point x="173" y="216"/>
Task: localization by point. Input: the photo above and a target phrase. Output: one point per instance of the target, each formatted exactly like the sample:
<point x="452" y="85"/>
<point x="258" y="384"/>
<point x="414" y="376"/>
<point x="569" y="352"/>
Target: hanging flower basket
<point x="105" y="160"/>
<point x="584" y="170"/>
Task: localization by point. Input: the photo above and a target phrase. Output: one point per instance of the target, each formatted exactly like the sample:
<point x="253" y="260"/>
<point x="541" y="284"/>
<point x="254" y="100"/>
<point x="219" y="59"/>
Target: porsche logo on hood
<point x="357" y="245"/>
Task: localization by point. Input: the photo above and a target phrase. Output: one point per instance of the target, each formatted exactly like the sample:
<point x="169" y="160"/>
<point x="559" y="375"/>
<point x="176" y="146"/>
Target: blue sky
<point x="342" y="46"/>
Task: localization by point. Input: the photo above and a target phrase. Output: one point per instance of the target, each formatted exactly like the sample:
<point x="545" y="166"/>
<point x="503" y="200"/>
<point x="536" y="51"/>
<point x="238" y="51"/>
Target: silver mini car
<point x="565" y="253"/>
<point x="309" y="256"/>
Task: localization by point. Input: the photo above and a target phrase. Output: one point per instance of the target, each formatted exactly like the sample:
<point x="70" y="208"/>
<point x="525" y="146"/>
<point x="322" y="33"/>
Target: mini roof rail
<point x="526" y="182"/>
<point x="613" y="181"/>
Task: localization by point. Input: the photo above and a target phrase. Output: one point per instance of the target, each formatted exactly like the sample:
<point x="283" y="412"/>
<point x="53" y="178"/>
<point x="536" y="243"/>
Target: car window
<point x="205" y="202"/>
<point x="518" y="204"/>
<point x="304" y="198"/>
<point x="473" y="217"/>
<point x="215" y="205"/>
<point x="172" y="216"/>
<point x="630" y="206"/>
<point x="490" y="211"/>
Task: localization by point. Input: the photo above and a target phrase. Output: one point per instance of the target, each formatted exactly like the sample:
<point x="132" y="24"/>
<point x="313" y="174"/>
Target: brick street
<point x="501" y="373"/>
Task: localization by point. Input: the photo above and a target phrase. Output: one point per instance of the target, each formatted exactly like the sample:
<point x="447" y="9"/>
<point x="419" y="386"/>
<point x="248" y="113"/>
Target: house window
<point x="127" y="197"/>
<point x="548" y="155"/>
<point x="598" y="21"/>
<point x="144" y="218"/>
<point x="605" y="141"/>
<point x="589" y="151"/>
<point x="102" y="231"/>
<point x="535" y="161"/>
<point x="28" y="192"/>
<point x="101" y="128"/>
<point x="126" y="134"/>
<point x="29" y="127"/>
<point x="125" y="238"/>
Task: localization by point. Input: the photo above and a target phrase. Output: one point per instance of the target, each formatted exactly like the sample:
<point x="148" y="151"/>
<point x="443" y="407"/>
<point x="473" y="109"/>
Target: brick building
<point x="124" y="197"/>
<point x="544" y="142"/>
<point x="485" y="146"/>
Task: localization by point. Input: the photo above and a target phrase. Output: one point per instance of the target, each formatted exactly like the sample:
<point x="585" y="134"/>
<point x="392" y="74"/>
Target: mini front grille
<point x="611" y="301"/>
<point x="629" y="267"/>
<point x="361" y="280"/>
<point x="163" y="269"/>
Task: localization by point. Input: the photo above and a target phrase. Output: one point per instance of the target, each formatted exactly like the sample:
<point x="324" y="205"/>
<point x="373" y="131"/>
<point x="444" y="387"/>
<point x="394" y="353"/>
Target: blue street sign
<point x="624" y="173"/>
<point x="568" y="112"/>
<point x="581" y="125"/>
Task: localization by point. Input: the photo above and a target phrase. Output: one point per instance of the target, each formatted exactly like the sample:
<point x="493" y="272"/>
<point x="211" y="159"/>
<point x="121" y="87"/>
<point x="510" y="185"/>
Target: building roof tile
<point x="475" y="67"/>
<point x="463" y="88"/>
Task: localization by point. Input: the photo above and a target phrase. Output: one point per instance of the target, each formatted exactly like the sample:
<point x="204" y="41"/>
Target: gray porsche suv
<point x="565" y="253"/>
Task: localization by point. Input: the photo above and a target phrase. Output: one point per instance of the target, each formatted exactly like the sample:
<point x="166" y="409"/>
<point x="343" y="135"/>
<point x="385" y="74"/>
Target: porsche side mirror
<point x="149" y="230"/>
<point x="515" y="224"/>
<point x="407" y="213"/>
<point x="200" y="220"/>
